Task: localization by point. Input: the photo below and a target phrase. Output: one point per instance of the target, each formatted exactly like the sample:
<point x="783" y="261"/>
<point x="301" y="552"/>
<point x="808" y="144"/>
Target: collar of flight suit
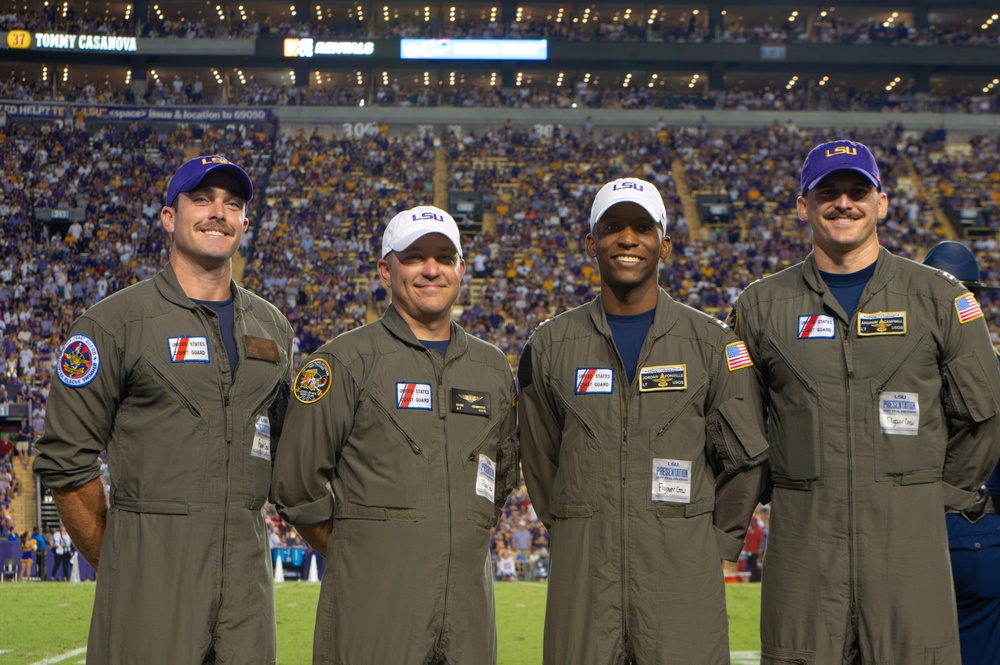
<point x="167" y="285"/>
<point x="663" y="319"/>
<point x="399" y="329"/>
<point x="885" y="271"/>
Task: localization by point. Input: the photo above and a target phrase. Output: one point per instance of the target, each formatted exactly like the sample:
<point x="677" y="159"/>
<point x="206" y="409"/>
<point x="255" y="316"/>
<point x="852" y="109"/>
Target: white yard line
<point x="745" y="657"/>
<point x="60" y="658"/>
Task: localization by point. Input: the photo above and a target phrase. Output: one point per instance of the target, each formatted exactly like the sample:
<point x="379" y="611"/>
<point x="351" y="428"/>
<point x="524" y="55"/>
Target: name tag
<point x="663" y="377"/>
<point x="188" y="349"/>
<point x="899" y="413"/>
<point x="591" y="381"/>
<point x="261" y="349"/>
<point x="486" y="478"/>
<point x="413" y="396"/>
<point x="672" y="480"/>
<point x="881" y="323"/>
<point x="473" y="402"/>
<point x="817" y="326"/>
<point x="262" y="439"/>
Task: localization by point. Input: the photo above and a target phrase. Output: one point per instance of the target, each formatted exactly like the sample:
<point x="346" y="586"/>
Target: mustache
<point x="220" y="228"/>
<point x="834" y="214"/>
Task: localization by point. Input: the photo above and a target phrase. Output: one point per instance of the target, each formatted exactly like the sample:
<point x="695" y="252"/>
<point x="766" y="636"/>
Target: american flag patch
<point x="737" y="356"/>
<point x="968" y="308"/>
<point x="188" y="349"/>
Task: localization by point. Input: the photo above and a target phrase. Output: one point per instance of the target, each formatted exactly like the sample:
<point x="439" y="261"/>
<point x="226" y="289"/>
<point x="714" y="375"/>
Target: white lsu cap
<point x="632" y="190"/>
<point x="410" y="225"/>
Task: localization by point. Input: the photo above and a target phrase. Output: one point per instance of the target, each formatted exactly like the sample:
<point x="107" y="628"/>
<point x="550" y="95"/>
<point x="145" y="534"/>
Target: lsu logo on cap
<point x="594" y="381"/>
<point x="79" y="361"/>
<point x="427" y="215"/>
<point x="188" y="349"/>
<point x="967" y="308"/>
<point x="313" y="381"/>
<point x="626" y="185"/>
<point x="841" y="150"/>
<point x="737" y="356"/>
<point x="816" y="326"/>
<point x="215" y="160"/>
<point x="414" y="396"/>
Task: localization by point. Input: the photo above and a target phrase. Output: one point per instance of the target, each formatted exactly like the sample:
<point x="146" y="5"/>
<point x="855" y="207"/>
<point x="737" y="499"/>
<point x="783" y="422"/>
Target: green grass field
<point x="46" y="623"/>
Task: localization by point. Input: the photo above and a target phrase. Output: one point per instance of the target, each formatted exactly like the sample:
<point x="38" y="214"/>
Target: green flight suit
<point x="877" y="421"/>
<point x="643" y="487"/>
<point x="185" y="572"/>
<point x="412" y="457"/>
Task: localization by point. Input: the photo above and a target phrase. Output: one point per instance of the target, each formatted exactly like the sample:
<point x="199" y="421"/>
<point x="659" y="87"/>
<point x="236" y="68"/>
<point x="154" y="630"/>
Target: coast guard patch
<point x="413" y="396"/>
<point x="188" y="349"/>
<point x="816" y="326"/>
<point x="79" y="361"/>
<point x="594" y="381"/>
<point x="312" y="381"/>
<point x="967" y="308"/>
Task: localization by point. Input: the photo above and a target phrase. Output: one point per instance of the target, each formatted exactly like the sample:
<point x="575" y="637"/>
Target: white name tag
<point x="899" y="413"/>
<point x="594" y="380"/>
<point x="413" y="396"/>
<point x="188" y="349"/>
<point x="486" y="478"/>
<point x="262" y="439"/>
<point x="671" y="480"/>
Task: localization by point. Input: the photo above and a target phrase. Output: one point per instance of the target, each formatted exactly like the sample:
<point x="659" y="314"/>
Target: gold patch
<point x="881" y="323"/>
<point x="663" y="377"/>
<point x="312" y="381"/>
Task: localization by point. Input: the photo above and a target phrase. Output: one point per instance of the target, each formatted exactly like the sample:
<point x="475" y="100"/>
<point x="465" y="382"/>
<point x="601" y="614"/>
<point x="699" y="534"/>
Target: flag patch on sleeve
<point x="967" y="308"/>
<point x="737" y="356"/>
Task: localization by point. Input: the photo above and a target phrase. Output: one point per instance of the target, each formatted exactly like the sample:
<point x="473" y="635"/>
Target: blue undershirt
<point x="847" y="288"/>
<point x="440" y="347"/>
<point x="227" y="322"/>
<point x="629" y="332"/>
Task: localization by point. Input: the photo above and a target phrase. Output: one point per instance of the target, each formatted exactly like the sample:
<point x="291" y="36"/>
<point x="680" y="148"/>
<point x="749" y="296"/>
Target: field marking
<point x="745" y="657"/>
<point x="61" y="658"/>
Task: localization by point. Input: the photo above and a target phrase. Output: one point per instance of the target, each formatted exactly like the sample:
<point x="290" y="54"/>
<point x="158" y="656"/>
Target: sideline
<point x="58" y="659"/>
<point x="745" y="657"/>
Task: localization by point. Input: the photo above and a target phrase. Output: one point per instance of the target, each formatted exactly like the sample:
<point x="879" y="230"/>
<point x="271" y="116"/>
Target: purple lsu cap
<point x="826" y="158"/>
<point x="192" y="172"/>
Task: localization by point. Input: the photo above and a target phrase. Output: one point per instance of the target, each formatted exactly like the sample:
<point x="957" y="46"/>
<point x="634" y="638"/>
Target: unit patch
<point x="470" y="401"/>
<point x="663" y="377"/>
<point x="967" y="308"/>
<point x="312" y="381"/>
<point x="737" y="356"/>
<point x="816" y="326"/>
<point x="486" y="478"/>
<point x="79" y="361"/>
<point x="413" y="396"/>
<point x="188" y="349"/>
<point x="899" y="413"/>
<point x="594" y="381"/>
<point x="262" y="439"/>
<point x="672" y="480"/>
<point x="881" y="323"/>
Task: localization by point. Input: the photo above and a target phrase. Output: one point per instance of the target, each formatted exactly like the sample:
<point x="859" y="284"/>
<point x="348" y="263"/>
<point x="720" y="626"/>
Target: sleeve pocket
<point x="733" y="432"/>
<point x="970" y="399"/>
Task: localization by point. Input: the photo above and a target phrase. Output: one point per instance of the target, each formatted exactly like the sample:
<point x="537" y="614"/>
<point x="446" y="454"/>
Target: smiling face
<point x="843" y="210"/>
<point x="424" y="280"/>
<point x="628" y="246"/>
<point x="206" y="223"/>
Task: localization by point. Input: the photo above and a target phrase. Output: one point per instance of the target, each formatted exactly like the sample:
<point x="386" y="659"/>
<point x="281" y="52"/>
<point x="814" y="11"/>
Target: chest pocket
<point x="794" y="419"/>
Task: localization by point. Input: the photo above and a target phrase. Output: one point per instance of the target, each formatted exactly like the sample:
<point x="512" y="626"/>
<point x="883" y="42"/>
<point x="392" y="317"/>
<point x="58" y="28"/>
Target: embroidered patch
<point x="881" y="323"/>
<point x="967" y="308"/>
<point x="671" y="480"/>
<point x="899" y="413"/>
<point x="594" y="381"/>
<point x="486" y="478"/>
<point x="312" y="381"/>
<point x="817" y="326"/>
<point x="737" y="356"/>
<point x="414" y="396"/>
<point x="663" y="377"/>
<point x="79" y="361"/>
<point x="188" y="349"/>
<point x="470" y="401"/>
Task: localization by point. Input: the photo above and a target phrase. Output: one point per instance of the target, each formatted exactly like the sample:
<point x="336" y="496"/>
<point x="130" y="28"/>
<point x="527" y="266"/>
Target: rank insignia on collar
<point x="881" y="323"/>
<point x="663" y="377"/>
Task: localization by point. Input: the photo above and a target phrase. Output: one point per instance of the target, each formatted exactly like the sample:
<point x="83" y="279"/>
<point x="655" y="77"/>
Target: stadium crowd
<point x="325" y="200"/>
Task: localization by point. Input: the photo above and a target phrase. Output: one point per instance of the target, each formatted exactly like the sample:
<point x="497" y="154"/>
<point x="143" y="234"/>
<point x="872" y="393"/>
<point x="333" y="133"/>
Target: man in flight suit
<point x="974" y="533"/>
<point x="181" y="379"/>
<point x="642" y="446"/>
<point x="397" y="457"/>
<point x="881" y="390"/>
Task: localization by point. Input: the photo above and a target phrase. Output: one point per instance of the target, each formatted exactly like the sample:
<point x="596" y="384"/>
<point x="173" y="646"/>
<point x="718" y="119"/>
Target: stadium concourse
<point x="326" y="198"/>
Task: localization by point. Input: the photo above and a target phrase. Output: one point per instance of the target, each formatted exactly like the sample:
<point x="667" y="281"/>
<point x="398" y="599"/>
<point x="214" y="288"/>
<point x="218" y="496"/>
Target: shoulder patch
<point x="967" y="308"/>
<point x="313" y="381"/>
<point x="737" y="356"/>
<point x="79" y="362"/>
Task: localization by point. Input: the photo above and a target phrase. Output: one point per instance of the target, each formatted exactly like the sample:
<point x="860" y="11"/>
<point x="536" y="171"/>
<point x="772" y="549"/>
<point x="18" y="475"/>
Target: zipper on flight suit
<point x="413" y="444"/>
<point x="851" y="504"/>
